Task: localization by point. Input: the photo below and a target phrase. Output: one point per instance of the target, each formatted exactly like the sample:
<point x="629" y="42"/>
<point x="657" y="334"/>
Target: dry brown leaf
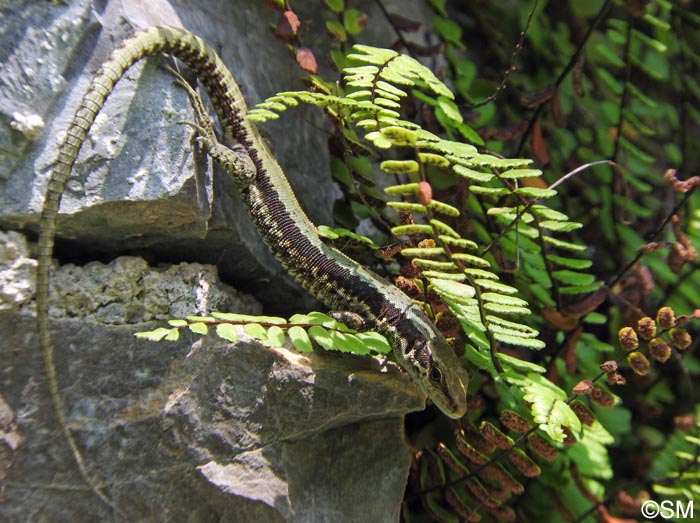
<point x="559" y="320"/>
<point x="539" y="148"/>
<point x="570" y="349"/>
<point x="536" y="98"/>
<point x="589" y="303"/>
<point x="404" y="24"/>
<point x="557" y="112"/>
<point x="306" y="59"/>
<point x="287" y="26"/>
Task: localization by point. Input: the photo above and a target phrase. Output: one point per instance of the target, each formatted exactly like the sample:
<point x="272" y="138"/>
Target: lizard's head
<point x="429" y="359"/>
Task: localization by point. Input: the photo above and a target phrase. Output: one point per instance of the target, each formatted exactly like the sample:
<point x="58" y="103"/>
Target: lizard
<point x="337" y="281"/>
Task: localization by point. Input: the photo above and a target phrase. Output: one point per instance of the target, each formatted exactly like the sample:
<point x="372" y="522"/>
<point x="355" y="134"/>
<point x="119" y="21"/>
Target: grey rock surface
<point x="200" y="430"/>
<point x="17" y="271"/>
<point x="126" y="290"/>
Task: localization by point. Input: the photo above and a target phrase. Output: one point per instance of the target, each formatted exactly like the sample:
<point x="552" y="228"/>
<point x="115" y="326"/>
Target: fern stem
<point x="569" y="67"/>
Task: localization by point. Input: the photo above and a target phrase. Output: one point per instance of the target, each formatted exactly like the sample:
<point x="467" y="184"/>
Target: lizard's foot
<point x="350" y="319"/>
<point x="202" y="126"/>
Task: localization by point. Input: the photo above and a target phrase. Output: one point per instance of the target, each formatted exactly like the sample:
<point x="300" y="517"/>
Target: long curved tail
<point x="152" y="41"/>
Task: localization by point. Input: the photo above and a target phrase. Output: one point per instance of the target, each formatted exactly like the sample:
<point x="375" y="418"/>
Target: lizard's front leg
<point x="234" y="160"/>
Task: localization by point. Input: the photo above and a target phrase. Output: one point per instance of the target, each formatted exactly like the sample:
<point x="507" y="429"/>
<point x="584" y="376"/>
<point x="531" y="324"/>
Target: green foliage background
<point x="587" y="82"/>
<point x="515" y="167"/>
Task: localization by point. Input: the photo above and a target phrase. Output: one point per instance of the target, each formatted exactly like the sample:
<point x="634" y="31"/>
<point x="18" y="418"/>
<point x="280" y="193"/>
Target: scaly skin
<point x="333" y="278"/>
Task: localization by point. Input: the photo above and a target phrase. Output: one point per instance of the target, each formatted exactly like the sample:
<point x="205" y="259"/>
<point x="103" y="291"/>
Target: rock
<point x="202" y="430"/>
<point x="17" y="271"/>
<point x="242" y="432"/>
<point x="127" y="290"/>
<point x="10" y="439"/>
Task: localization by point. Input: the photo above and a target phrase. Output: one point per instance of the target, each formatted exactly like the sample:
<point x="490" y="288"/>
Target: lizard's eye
<point x="435" y="375"/>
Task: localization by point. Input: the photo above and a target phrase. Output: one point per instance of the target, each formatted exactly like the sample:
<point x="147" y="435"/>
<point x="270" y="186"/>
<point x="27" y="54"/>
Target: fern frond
<point x="272" y="331"/>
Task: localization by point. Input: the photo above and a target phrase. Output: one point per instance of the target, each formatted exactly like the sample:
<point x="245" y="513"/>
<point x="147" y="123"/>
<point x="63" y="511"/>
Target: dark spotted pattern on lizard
<point x="334" y="279"/>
